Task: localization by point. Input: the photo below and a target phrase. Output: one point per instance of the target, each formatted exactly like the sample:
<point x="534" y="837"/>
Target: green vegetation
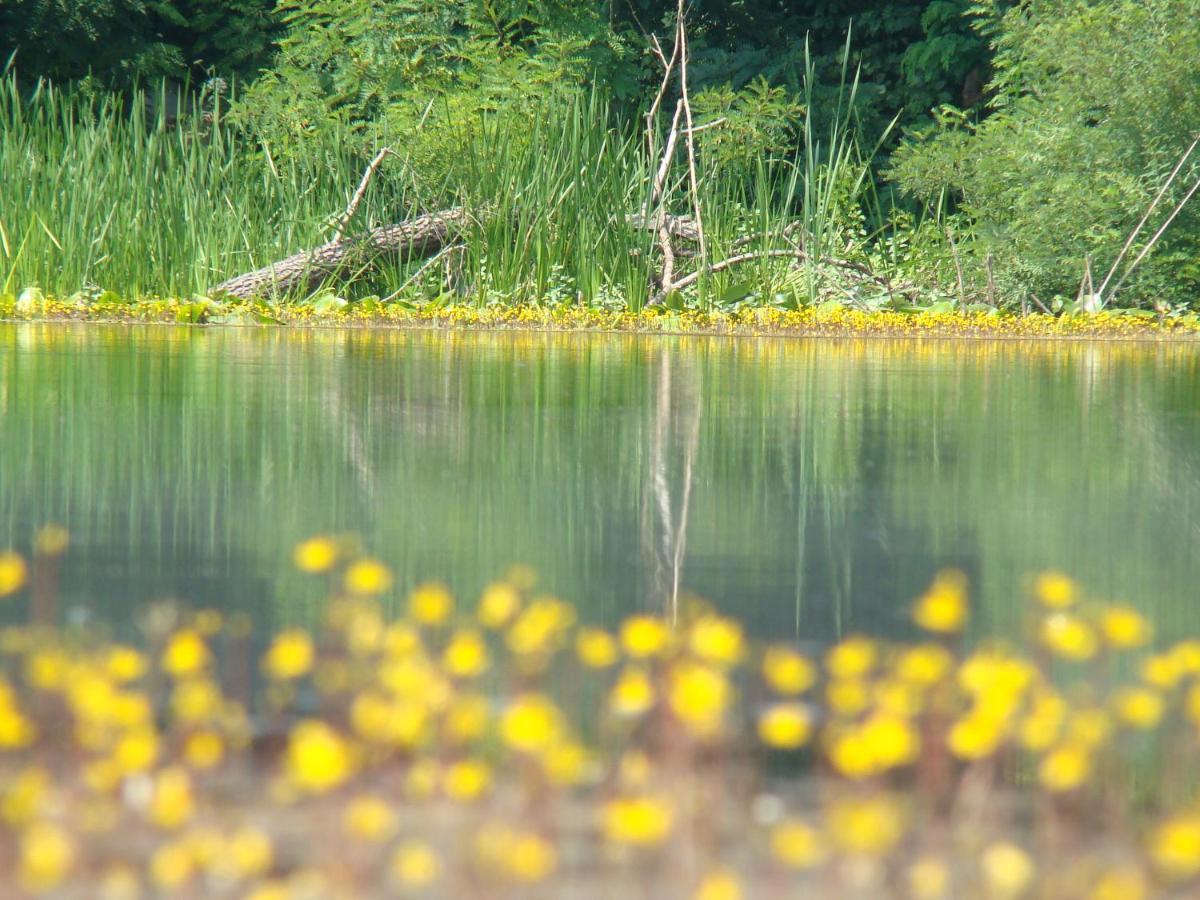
<point x="948" y="155"/>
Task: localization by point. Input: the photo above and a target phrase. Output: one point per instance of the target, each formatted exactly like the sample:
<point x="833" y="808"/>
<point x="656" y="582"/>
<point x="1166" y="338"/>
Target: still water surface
<point x="810" y="486"/>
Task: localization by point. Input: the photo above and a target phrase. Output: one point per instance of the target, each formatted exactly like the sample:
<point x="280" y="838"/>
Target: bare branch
<point x="363" y="184"/>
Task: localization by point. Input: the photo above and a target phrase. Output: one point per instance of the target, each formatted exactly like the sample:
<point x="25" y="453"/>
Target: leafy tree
<point x="1093" y="104"/>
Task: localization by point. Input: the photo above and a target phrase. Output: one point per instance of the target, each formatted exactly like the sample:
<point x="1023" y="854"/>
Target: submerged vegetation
<point x="442" y="749"/>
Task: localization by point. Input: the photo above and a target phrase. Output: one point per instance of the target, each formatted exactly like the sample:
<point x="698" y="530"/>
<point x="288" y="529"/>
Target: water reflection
<point x="810" y="486"/>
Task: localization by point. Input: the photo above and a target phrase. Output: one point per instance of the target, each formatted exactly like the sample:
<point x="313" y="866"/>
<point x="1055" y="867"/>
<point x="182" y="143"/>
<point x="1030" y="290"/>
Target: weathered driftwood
<point x="418" y="237"/>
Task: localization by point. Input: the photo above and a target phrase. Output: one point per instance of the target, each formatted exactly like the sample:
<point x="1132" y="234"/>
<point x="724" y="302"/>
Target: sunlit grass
<point x="421" y="744"/>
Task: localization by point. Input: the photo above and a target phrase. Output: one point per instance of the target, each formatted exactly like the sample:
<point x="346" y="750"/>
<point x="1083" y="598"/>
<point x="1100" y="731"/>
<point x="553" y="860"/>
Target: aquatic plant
<point x="420" y="745"/>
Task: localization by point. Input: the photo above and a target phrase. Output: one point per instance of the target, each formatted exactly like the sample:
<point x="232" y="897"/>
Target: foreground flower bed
<point x="501" y="748"/>
<point x="808" y="321"/>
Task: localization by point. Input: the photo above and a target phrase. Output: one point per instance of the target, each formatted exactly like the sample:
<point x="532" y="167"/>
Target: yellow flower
<point x="315" y="555"/>
<point x="466" y="654"/>
<point x="596" y="648"/>
<point x="539" y="630"/>
<point x="1055" y="590"/>
<point x="787" y="672"/>
<point x="1007" y="869"/>
<point x="719" y="885"/>
<point x="632" y="695"/>
<point x="975" y="735"/>
<point x="466" y="719"/>
<point x="891" y="740"/>
<point x="797" y="845"/>
<point x="1138" y="707"/>
<point x="1069" y="637"/>
<point x="415" y="865"/>
<point x="368" y="577"/>
<point x="785" y="726"/>
<point x="172" y="865"/>
<point x="1124" y="627"/>
<point x="640" y="821"/>
<point x="498" y="604"/>
<point x="530" y="858"/>
<point x="289" y="656"/>
<point x="204" y="749"/>
<point x="21" y="799"/>
<point x="943" y="608"/>
<point x="853" y="657"/>
<point x="1042" y="725"/>
<point x="716" y="640"/>
<point x="368" y="817"/>
<point x="185" y="654"/>
<point x="1065" y="768"/>
<point x="172" y="804"/>
<point x="136" y="750"/>
<point x="531" y="723"/>
<point x="1123" y="882"/>
<point x="120" y="882"/>
<point x="644" y="636"/>
<point x="1161" y="671"/>
<point x="124" y="664"/>
<point x="249" y="852"/>
<point x="195" y="700"/>
<point x="923" y="665"/>
<point x="46" y="855"/>
<point x="847" y="697"/>
<point x="430" y="604"/>
<point x="566" y="764"/>
<point x="866" y="825"/>
<point x="928" y="879"/>
<point x="13" y="573"/>
<point x="1089" y="727"/>
<point x="318" y="758"/>
<point x="467" y="780"/>
<point x="51" y="540"/>
<point x="699" y="696"/>
<point x="1175" y="846"/>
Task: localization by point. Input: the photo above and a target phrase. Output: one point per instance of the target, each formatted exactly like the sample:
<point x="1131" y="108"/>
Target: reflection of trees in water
<point x="666" y="502"/>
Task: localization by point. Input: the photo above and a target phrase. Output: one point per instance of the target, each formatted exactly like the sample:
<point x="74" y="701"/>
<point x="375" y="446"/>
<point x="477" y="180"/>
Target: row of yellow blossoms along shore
<point x="808" y="321"/>
<point x="502" y="748"/>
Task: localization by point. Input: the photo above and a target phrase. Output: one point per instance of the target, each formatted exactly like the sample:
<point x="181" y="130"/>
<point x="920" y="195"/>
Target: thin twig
<point x="958" y="271"/>
<point x="1158" y="234"/>
<point x="693" y="180"/>
<point x="421" y="271"/>
<point x="1140" y="225"/>
<point x="363" y="184"/>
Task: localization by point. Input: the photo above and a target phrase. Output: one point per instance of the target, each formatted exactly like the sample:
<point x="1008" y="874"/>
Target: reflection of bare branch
<point x="356" y="446"/>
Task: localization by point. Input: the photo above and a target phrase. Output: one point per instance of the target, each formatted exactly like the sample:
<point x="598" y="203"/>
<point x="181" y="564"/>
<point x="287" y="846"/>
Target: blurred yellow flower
<point x="124" y="664"/>
<point x="315" y="555"/>
<point x="368" y="817"/>
<point x="641" y="820"/>
<point x="1007" y="870"/>
<point x="1055" y="590"/>
<point x="530" y="858"/>
<point x="13" y="573"/>
<point x="923" y="664"/>
<point x="1175" y="846"/>
<point x="466" y="654"/>
<point x="415" y="865"/>
<point x="719" y="885"/>
<point x="23" y="797"/>
<point x="1138" y="707"/>
<point x="1122" y="882"/>
<point x="854" y="657"/>
<point x="787" y="672"/>
<point x="46" y="855"/>
<point x="870" y="826"/>
<point x="698" y="695"/>
<point x="928" y="879"/>
<point x="318" y="758"/>
<point x="566" y="764"/>
<point x="1161" y="671"/>
<point x="289" y="656"/>
<point x="943" y="607"/>
<point x="716" y="640"/>
<point x="975" y="735"/>
<point x="847" y="697"/>
<point x="531" y="723"/>
<point x="250" y="852"/>
<point x="430" y="604"/>
<point x="1124" y="627"/>
<point x="797" y="845"/>
<point x="644" y="636"/>
<point x="185" y="654"/>
<point x="785" y="726"/>
<point x="498" y="604"/>
<point x="368" y="577"/>
<point x="195" y="700"/>
<point x="539" y="630"/>
<point x="1042" y="725"/>
<point x="467" y="780"/>
<point x="1065" y="768"/>
<point x="596" y="648"/>
<point x="172" y="804"/>
<point x="172" y="865"/>
<point x="632" y="695"/>
<point x="1068" y="636"/>
<point x="466" y="719"/>
<point x="1089" y="727"/>
<point x="136" y="750"/>
<point x="51" y="540"/>
<point x="204" y="749"/>
<point x="120" y="882"/>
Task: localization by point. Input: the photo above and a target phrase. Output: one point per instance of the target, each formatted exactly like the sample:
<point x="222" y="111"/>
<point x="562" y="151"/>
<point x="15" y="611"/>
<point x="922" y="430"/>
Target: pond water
<point x="812" y="487"/>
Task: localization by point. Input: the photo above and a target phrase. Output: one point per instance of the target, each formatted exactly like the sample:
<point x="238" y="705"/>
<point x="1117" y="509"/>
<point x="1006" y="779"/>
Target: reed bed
<point x="503" y="748"/>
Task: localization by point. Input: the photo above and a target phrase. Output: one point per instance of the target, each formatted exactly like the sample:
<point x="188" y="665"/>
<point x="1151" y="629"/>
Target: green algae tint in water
<point x="810" y="487"/>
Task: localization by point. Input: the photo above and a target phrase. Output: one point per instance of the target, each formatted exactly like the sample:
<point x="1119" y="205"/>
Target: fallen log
<point x="419" y="237"/>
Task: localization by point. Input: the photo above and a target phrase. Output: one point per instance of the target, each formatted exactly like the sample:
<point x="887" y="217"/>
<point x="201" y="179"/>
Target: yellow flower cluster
<point x="465" y="748"/>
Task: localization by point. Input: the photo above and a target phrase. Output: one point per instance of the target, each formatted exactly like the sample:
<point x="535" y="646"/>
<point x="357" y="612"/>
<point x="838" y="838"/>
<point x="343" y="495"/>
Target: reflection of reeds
<point x="454" y="752"/>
